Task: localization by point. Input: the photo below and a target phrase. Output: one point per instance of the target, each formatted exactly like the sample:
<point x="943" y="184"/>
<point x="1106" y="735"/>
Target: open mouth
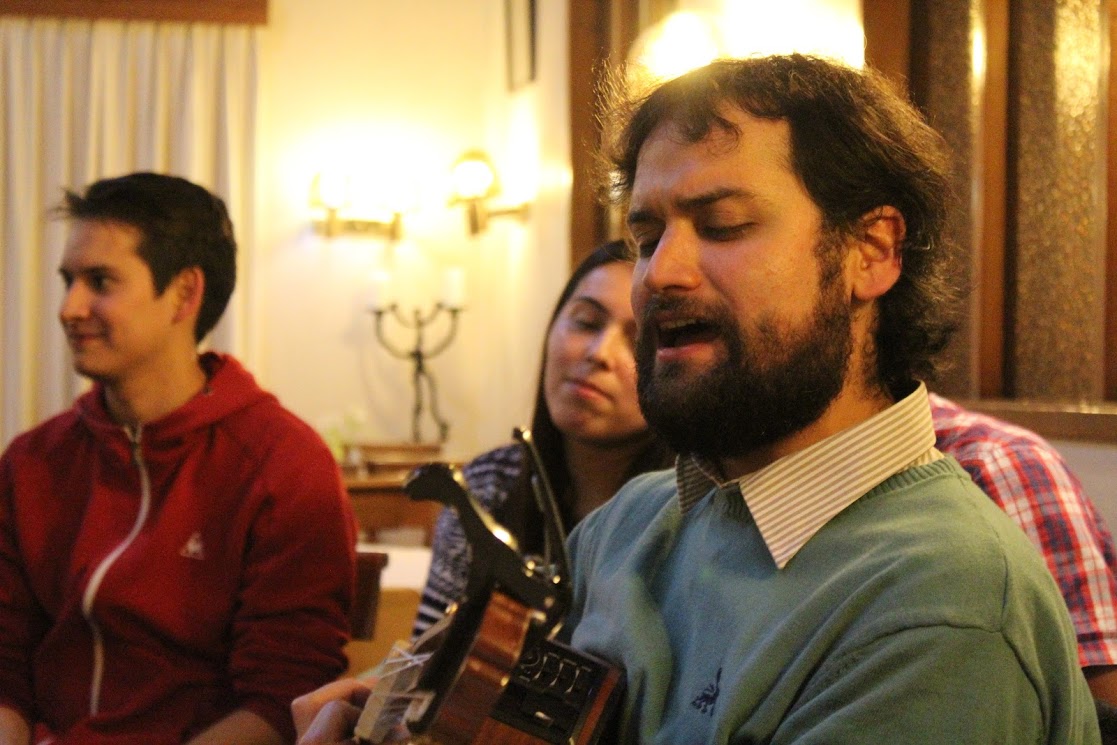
<point x="679" y="333"/>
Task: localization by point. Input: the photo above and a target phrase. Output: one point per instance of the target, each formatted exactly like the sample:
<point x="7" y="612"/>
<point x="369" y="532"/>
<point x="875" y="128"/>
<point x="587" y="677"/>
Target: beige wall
<point x="383" y="83"/>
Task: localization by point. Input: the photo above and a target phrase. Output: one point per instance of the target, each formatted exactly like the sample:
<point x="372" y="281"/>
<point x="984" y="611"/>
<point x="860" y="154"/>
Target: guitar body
<point x="494" y="676"/>
<point x="549" y="693"/>
<point x="581" y="714"/>
<point x="494" y="652"/>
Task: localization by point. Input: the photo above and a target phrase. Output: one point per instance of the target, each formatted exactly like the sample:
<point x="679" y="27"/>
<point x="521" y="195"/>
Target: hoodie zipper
<point x="103" y="568"/>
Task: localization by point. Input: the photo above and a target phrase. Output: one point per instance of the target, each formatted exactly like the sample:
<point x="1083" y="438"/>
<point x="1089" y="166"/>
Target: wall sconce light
<point x="332" y="193"/>
<point x="474" y="183"/>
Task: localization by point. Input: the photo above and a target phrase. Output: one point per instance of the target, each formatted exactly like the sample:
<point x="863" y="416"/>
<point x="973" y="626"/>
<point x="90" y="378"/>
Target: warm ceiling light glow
<point x="686" y="39"/>
<point x="680" y="42"/>
<point x="828" y="28"/>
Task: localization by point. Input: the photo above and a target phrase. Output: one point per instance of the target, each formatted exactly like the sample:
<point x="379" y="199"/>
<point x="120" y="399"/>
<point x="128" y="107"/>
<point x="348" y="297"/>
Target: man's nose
<point x="673" y="265"/>
<point x="75" y="303"/>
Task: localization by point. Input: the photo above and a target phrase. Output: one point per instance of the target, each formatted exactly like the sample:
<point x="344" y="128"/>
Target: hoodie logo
<point x="194" y="548"/>
<point x="705" y="701"/>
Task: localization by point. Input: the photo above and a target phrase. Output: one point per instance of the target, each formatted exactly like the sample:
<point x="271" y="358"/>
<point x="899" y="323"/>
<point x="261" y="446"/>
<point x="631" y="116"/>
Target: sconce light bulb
<point x="473" y="178"/>
<point x="332" y="190"/>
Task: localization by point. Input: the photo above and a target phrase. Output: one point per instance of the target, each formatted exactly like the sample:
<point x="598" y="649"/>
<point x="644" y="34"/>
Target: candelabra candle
<point x="420" y="376"/>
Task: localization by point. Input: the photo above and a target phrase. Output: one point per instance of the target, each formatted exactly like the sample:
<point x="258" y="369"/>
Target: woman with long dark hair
<point x="586" y="425"/>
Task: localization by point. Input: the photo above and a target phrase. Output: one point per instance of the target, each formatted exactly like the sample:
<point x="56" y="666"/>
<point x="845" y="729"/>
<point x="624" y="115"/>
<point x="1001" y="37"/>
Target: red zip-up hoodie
<point x="153" y="581"/>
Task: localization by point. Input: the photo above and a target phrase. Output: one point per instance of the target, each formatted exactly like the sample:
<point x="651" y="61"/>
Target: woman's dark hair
<point x="856" y="146"/>
<point x="519" y="513"/>
<point x="182" y="225"/>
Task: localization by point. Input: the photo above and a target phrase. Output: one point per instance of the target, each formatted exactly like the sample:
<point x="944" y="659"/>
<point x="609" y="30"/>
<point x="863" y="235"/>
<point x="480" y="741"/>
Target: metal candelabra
<point x="418" y="356"/>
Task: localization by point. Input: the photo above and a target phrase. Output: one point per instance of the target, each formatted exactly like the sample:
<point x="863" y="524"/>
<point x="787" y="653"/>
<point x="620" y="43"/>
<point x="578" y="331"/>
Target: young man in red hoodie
<point x="176" y="549"/>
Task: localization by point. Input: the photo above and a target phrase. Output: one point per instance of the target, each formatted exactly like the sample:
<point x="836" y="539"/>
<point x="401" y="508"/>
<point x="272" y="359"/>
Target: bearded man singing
<point x="813" y="570"/>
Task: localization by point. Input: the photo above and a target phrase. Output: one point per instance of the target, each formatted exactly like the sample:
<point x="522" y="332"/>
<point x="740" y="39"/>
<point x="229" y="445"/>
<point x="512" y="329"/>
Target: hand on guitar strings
<point x="327" y="715"/>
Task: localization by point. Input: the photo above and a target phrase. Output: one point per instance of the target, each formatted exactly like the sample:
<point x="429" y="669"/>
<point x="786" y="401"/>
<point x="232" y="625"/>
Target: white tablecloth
<point x="407" y="565"/>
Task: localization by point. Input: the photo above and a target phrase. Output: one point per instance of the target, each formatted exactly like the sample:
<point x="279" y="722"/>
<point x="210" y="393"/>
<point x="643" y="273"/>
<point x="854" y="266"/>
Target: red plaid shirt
<point x="1032" y="484"/>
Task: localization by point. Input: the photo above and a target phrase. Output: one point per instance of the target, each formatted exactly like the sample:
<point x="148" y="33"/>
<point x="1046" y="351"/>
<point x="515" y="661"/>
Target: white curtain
<point x="82" y="100"/>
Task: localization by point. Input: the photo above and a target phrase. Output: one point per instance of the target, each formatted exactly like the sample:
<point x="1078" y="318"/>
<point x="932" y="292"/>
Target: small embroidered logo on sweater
<point x="194" y="549"/>
<point x="705" y="701"/>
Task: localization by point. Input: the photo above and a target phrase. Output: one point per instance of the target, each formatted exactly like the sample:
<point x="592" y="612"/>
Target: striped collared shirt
<point x="792" y="498"/>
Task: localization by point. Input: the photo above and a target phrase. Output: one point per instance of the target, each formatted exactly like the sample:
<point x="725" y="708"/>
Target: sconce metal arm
<point x="478" y="213"/>
<point x="332" y="225"/>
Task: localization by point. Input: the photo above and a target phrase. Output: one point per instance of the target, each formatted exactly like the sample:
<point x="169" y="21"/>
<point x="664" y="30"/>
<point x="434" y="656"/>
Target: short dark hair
<point x="856" y="146"/>
<point x="182" y="224"/>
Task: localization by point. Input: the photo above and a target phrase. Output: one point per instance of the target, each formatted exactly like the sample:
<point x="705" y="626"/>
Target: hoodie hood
<point x="229" y="389"/>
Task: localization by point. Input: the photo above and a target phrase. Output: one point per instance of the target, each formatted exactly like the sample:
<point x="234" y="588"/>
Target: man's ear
<point x="876" y="257"/>
<point x="188" y="287"/>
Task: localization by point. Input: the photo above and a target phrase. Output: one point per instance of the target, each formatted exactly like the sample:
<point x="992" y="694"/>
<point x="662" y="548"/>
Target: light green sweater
<point x="920" y="614"/>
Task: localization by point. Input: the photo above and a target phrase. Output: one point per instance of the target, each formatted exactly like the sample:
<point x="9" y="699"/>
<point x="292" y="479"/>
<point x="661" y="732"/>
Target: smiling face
<point x="116" y="325"/>
<point x="743" y="304"/>
<point x="589" y="376"/>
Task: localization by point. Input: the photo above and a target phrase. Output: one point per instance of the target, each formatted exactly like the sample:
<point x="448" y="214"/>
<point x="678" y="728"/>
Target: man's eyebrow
<point x="84" y="269"/>
<point x="716" y="195"/>
<point x="689" y="204"/>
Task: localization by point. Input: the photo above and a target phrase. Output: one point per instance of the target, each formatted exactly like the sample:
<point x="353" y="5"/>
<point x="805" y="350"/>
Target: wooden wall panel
<point x="992" y="203"/>
<point x="1111" y="217"/>
<point x="589" y="48"/>
<point x="1057" y="162"/>
<point x="888" y="38"/>
<point x="946" y="79"/>
<point x="601" y="32"/>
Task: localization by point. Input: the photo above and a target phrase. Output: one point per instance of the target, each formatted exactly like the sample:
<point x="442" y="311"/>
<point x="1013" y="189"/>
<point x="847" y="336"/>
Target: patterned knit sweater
<point x="490" y="478"/>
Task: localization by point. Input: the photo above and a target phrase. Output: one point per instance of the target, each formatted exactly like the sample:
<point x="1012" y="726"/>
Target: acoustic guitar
<point x="495" y="673"/>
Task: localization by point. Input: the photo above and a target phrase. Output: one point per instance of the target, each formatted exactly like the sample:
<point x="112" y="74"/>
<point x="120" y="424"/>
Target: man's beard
<point x="770" y="385"/>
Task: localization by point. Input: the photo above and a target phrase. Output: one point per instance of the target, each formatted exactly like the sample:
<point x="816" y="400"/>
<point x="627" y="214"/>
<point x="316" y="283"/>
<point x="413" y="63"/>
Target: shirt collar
<point x="792" y="498"/>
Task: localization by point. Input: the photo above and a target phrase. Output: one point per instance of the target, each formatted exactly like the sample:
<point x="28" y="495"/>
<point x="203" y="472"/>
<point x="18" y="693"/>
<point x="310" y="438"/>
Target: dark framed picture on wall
<point x="519" y="25"/>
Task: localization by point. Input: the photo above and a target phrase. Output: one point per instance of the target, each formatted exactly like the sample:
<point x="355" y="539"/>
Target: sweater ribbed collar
<point x="792" y="498"/>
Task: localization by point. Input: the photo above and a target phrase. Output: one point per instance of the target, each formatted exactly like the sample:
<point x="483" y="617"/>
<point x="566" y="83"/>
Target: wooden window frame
<point x="253" y="12"/>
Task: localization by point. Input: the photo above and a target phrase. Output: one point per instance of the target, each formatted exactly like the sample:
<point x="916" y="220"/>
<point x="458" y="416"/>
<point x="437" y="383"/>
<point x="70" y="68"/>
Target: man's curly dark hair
<point x="856" y="145"/>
